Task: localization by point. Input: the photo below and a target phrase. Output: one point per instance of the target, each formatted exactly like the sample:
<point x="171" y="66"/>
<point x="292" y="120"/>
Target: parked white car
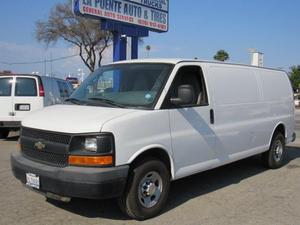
<point x="141" y="124"/>
<point x="23" y="94"/>
<point x="297" y="100"/>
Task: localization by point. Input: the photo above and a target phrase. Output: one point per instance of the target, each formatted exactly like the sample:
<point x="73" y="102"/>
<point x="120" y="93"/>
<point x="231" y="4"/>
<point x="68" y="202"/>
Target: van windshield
<point x="134" y="85"/>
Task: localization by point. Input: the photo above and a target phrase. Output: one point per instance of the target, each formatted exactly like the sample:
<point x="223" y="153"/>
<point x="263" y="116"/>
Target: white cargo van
<point x="22" y="94"/>
<point x="141" y="124"/>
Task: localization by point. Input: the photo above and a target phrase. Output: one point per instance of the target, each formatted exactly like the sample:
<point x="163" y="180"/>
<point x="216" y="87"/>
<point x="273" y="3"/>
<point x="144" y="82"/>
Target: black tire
<point x="4" y="133"/>
<point x="273" y="158"/>
<point x="131" y="201"/>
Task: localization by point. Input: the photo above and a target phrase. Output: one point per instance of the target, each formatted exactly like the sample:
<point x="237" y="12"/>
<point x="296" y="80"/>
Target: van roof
<point x="28" y="75"/>
<point x="176" y="61"/>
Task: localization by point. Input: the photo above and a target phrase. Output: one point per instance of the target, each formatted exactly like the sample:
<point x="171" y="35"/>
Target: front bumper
<point x="81" y="182"/>
<point x="10" y="124"/>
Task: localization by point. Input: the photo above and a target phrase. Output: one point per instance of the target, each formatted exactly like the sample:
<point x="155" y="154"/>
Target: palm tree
<point x="222" y="56"/>
<point x="148" y="49"/>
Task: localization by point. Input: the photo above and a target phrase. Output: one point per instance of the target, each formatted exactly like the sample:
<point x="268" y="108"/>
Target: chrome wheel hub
<point x="278" y="151"/>
<point x="150" y="189"/>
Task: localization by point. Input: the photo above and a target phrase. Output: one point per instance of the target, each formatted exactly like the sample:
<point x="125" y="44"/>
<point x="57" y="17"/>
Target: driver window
<point x="188" y="75"/>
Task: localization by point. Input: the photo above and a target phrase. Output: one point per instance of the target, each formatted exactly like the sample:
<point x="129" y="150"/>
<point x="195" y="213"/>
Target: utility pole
<point x="51" y="75"/>
<point x="81" y="73"/>
<point x="45" y="67"/>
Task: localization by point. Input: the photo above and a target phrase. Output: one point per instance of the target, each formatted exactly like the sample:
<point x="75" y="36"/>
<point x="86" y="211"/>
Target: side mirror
<point x="186" y="95"/>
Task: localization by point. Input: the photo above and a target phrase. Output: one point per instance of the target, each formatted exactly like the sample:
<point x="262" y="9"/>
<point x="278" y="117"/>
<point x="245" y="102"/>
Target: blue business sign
<point x="152" y="14"/>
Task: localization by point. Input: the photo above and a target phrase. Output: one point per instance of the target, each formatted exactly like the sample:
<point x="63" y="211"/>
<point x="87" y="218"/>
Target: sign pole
<point x="126" y="18"/>
<point x="134" y="47"/>
<point x="119" y="51"/>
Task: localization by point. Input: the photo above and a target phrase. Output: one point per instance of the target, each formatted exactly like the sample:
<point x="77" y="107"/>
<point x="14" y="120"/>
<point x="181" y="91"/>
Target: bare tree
<point x="84" y="33"/>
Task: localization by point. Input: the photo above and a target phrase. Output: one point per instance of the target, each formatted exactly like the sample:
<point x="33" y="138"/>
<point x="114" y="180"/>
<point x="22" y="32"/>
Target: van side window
<point x="5" y="86"/>
<point x="63" y="89"/>
<point x="25" y="87"/>
<point x="66" y="90"/>
<point x="188" y="75"/>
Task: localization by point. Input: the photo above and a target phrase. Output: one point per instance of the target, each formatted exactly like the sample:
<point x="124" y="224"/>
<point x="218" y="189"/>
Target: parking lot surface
<point x="240" y="193"/>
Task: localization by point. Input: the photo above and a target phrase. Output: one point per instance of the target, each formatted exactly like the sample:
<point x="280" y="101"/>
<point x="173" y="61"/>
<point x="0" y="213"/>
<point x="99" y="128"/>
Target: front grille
<point x="46" y="136"/>
<point x="59" y="160"/>
<point x="56" y="145"/>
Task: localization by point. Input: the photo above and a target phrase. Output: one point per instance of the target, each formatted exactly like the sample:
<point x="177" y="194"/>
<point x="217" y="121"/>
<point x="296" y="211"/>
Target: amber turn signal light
<point x="90" y="160"/>
<point x="19" y="145"/>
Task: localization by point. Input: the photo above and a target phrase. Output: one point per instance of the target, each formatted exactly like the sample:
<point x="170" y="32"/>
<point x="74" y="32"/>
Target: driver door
<point x="193" y="138"/>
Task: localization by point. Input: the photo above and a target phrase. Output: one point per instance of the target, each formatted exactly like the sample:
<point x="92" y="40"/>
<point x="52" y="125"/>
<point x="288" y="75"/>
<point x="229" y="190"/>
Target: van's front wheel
<point x="147" y="190"/>
<point x="4" y="133"/>
<point x="273" y="158"/>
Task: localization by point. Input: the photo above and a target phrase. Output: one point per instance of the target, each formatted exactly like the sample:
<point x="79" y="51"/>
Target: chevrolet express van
<point x="133" y="127"/>
<point x="22" y="94"/>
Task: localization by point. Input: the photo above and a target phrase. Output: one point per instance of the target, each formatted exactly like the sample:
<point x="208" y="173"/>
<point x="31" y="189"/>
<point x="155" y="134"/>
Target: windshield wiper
<point x="108" y="102"/>
<point x="74" y="100"/>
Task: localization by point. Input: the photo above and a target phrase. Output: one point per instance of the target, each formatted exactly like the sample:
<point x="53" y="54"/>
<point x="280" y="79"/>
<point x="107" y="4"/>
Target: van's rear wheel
<point x="4" y="133"/>
<point x="273" y="158"/>
<point x="147" y="190"/>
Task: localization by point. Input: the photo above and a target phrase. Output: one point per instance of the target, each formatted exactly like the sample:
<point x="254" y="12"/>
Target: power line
<point x="38" y="62"/>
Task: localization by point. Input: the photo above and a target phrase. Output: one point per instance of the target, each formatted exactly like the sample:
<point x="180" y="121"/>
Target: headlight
<point x="92" y="144"/>
<point x="92" y="150"/>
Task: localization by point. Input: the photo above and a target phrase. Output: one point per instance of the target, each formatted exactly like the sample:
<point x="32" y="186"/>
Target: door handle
<point x="212" y="116"/>
<point x="12" y="113"/>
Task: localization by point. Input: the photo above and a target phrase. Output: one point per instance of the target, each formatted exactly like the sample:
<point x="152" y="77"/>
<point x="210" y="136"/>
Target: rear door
<point x="6" y="103"/>
<point x="26" y="96"/>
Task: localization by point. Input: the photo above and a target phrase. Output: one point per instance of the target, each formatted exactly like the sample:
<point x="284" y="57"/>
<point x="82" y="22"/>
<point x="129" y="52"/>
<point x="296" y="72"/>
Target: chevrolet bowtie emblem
<point x="39" y="145"/>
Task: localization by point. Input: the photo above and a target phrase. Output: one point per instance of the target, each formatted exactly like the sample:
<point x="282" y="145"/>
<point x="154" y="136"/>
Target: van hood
<point x="73" y="118"/>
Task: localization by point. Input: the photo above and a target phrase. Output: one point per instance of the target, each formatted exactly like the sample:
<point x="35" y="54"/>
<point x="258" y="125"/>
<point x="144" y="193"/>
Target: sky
<point x="198" y="28"/>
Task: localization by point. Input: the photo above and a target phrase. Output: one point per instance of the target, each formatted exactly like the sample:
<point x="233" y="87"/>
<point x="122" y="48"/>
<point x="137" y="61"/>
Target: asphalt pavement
<point x="241" y="193"/>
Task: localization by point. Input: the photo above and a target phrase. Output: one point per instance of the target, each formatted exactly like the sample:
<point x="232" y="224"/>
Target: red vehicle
<point x="74" y="81"/>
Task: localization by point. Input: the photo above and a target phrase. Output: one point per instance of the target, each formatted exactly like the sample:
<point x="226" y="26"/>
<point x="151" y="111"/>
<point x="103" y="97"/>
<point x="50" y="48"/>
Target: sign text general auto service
<point x="152" y="14"/>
